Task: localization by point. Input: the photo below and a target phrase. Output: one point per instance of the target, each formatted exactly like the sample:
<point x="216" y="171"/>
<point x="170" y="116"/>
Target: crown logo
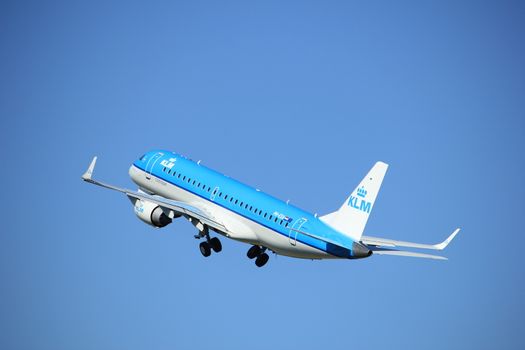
<point x="361" y="192"/>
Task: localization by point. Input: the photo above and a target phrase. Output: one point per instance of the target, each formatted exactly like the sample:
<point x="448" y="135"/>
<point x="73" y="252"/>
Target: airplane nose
<point x="360" y="251"/>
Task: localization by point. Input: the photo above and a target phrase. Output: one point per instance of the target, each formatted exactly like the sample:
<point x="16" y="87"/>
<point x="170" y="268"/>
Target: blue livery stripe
<point x="227" y="186"/>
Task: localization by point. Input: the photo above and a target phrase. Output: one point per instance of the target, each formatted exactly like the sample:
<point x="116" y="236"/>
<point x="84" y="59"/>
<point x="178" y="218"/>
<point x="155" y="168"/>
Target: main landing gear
<point x="257" y="252"/>
<point x="210" y="243"/>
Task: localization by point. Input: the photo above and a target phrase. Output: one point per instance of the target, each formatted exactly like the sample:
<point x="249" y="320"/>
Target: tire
<point x="262" y="260"/>
<point x="253" y="252"/>
<point x="215" y="244"/>
<point x="205" y="249"/>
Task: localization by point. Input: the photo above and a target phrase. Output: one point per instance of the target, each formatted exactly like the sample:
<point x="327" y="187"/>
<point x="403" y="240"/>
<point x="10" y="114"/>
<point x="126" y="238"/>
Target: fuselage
<point x="251" y="215"/>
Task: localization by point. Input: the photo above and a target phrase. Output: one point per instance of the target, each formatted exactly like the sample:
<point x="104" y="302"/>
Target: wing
<point x="383" y="246"/>
<point x="170" y="207"/>
<point x="384" y="242"/>
<point x="377" y="246"/>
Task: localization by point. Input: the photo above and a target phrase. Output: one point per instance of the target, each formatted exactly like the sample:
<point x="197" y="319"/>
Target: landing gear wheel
<point x="262" y="260"/>
<point x="215" y="244"/>
<point x="205" y="249"/>
<point x="253" y="251"/>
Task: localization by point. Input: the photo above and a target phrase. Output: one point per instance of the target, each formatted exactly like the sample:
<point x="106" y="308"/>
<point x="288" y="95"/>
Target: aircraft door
<point x="151" y="163"/>
<point x="214" y="193"/>
<point x="292" y="234"/>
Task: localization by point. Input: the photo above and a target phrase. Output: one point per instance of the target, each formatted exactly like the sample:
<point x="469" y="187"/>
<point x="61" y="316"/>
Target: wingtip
<point x="89" y="172"/>
<point x="449" y="239"/>
<point x="453" y="234"/>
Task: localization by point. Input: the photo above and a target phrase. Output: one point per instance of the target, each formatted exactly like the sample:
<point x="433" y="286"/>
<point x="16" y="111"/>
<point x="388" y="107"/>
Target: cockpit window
<point x="143" y="156"/>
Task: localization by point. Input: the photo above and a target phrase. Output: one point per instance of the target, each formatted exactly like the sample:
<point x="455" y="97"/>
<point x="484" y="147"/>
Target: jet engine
<point x="151" y="213"/>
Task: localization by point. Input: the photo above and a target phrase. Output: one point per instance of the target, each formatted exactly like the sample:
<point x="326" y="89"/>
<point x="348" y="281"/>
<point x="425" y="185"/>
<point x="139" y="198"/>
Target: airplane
<point x="172" y="186"/>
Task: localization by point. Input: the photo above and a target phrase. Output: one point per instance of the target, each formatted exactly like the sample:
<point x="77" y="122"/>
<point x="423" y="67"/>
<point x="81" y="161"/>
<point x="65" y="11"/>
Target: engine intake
<point x="151" y="213"/>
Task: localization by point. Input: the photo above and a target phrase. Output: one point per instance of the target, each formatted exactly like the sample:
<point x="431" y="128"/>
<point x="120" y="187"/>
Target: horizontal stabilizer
<point x="380" y="251"/>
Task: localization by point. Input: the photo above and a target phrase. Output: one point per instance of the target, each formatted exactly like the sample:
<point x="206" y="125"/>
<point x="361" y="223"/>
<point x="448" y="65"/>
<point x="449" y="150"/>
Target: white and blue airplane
<point x="172" y="186"/>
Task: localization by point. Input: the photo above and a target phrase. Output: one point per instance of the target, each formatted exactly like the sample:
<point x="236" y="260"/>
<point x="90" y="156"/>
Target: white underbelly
<point x="240" y="228"/>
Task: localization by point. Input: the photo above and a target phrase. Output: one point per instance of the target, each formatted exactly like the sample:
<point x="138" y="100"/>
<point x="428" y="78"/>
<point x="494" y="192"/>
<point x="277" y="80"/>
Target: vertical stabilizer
<point x="351" y="218"/>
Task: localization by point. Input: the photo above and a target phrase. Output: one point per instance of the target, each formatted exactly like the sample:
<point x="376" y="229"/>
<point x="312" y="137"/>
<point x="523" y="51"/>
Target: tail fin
<point x="351" y="218"/>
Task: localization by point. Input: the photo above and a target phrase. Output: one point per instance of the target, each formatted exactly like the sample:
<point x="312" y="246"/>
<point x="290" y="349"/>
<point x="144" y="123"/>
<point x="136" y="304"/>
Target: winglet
<point x="442" y="245"/>
<point x="89" y="172"/>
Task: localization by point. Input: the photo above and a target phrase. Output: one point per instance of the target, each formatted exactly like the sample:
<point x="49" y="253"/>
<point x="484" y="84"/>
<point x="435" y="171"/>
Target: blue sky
<point x="297" y="98"/>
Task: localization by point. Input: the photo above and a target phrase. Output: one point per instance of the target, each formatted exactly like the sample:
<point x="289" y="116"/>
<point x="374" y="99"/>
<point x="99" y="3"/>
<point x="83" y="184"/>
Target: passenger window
<point x="193" y="182"/>
<point x="265" y="214"/>
<point x="286" y="225"/>
<point x="281" y="222"/>
<point x="220" y="194"/>
<point x="251" y="208"/>
<point x="209" y="188"/>
<point x="270" y="218"/>
<point x="246" y="206"/>
<point x="184" y="178"/>
<point x="164" y="169"/>
<point x="236" y="201"/>
<point x="178" y="176"/>
<point x="226" y="197"/>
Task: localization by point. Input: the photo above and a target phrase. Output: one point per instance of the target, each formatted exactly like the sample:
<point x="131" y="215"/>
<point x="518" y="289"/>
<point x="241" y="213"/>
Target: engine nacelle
<point x="151" y="213"/>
